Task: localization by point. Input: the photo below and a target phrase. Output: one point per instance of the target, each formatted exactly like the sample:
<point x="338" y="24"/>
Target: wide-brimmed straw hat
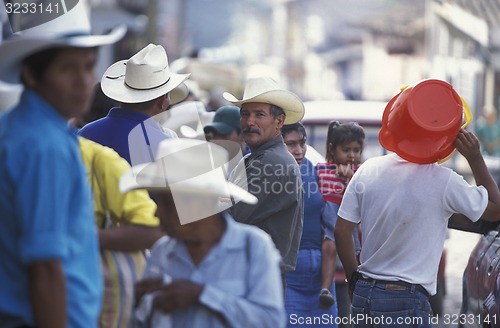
<point x="266" y="90"/>
<point x="193" y="170"/>
<point x="145" y="76"/>
<point x="69" y="30"/>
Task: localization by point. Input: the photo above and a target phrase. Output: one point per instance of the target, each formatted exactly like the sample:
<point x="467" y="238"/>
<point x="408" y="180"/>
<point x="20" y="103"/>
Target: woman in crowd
<point x="304" y="284"/>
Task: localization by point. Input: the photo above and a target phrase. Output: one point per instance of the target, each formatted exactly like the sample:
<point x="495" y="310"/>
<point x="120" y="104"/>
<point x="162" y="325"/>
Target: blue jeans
<point x="302" y="293"/>
<point x="378" y="305"/>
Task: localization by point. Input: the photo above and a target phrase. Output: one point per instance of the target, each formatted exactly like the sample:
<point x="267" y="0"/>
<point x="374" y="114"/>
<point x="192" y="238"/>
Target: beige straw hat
<point x="145" y="76"/>
<point x="266" y="90"/>
<point x="71" y="29"/>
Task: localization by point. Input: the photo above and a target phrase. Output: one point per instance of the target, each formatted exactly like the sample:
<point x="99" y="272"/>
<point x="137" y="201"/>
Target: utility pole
<point x="152" y="12"/>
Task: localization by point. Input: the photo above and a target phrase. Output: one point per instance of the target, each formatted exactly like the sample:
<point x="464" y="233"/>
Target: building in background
<point x="319" y="49"/>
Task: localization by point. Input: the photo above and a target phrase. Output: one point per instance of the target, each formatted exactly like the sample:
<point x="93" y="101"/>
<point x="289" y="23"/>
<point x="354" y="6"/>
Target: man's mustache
<point x="250" y="130"/>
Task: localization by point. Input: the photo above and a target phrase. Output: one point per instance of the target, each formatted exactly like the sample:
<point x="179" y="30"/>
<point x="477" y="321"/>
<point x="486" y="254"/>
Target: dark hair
<point x="39" y="62"/>
<point x="276" y="111"/>
<point x="299" y="127"/>
<point x="101" y="104"/>
<point x="140" y="106"/>
<point x="339" y="134"/>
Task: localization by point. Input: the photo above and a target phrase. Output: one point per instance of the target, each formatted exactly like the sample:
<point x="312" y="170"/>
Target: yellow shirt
<point x="105" y="166"/>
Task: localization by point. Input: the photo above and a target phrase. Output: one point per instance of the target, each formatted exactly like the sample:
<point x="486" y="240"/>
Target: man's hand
<point x="468" y="145"/>
<point x="177" y="295"/>
<point x="146" y="286"/>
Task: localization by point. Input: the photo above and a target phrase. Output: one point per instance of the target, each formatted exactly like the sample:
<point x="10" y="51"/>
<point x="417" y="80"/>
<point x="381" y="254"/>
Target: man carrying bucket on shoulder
<point x="403" y="201"/>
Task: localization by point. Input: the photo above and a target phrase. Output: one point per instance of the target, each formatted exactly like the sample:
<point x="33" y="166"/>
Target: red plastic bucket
<point x="420" y="123"/>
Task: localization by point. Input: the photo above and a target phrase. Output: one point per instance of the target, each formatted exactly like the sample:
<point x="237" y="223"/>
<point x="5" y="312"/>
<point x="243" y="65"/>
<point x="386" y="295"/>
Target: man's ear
<point x="281" y="120"/>
<point x="27" y="77"/>
<point x="164" y="102"/>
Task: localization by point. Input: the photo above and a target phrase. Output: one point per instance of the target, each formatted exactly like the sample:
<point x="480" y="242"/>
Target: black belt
<point x="397" y="285"/>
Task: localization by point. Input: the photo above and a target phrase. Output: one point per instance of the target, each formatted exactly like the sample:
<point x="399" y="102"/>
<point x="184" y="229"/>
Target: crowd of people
<point x="119" y="221"/>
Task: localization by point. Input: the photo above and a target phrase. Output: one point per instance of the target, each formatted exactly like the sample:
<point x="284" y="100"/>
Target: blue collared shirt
<point x="241" y="278"/>
<point x="133" y="135"/>
<point x="45" y="211"/>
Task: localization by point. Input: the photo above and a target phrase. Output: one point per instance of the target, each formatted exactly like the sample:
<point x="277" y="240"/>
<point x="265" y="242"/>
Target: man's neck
<point x="151" y="111"/>
<point x="209" y="237"/>
<point x="253" y="150"/>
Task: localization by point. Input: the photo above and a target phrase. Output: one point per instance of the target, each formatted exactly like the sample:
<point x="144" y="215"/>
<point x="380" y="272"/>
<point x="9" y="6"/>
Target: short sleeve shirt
<point x="403" y="209"/>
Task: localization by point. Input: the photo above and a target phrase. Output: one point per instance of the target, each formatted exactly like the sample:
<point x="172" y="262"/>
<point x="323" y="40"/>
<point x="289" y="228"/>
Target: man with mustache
<point x="270" y="172"/>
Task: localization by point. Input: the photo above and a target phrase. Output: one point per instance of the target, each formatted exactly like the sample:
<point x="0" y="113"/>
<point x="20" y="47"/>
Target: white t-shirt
<point x="404" y="209"/>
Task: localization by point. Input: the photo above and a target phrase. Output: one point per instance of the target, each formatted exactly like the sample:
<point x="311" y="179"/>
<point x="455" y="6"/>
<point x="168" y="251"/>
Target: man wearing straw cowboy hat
<point x="145" y="87"/>
<point x="210" y="271"/>
<point x="50" y="270"/>
<point x="403" y="202"/>
<point x="272" y="174"/>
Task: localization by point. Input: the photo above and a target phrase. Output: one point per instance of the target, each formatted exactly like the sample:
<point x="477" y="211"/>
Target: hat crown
<point x="257" y="86"/>
<point x="148" y="68"/>
<point x="75" y="21"/>
<point x="191" y="182"/>
<point x="266" y="90"/>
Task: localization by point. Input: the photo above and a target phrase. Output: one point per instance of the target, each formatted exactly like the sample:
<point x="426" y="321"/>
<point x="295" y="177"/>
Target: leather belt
<point x="397" y="285"/>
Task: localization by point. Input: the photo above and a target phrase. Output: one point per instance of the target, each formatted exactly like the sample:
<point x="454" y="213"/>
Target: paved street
<point x="459" y="245"/>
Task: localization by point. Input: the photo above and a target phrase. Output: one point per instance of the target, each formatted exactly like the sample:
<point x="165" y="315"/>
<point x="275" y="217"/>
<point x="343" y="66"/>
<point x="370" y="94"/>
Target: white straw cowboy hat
<point x="193" y="171"/>
<point x="266" y="90"/>
<point x="71" y="29"/>
<point x="145" y="76"/>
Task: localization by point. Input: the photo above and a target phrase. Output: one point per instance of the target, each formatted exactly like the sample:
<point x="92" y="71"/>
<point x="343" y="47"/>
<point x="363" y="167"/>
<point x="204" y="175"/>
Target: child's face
<point x="348" y="153"/>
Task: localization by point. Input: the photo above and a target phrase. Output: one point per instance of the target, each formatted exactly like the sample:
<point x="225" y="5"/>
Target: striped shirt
<point x="331" y="185"/>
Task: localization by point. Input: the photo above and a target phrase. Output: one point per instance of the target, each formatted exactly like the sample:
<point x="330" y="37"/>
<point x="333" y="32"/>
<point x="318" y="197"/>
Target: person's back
<point x="403" y="202"/>
<point x="408" y="204"/>
<point x="113" y="131"/>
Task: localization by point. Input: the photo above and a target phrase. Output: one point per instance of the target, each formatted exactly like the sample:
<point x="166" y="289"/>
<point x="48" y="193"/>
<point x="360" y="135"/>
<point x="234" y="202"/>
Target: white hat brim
<point x="113" y="85"/>
<point x="13" y="51"/>
<point x="288" y="101"/>
<point x="129" y="181"/>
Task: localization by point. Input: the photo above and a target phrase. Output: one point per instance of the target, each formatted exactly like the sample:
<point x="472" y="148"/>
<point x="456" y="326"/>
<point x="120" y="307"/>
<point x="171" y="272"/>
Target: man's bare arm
<point x="47" y="285"/>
